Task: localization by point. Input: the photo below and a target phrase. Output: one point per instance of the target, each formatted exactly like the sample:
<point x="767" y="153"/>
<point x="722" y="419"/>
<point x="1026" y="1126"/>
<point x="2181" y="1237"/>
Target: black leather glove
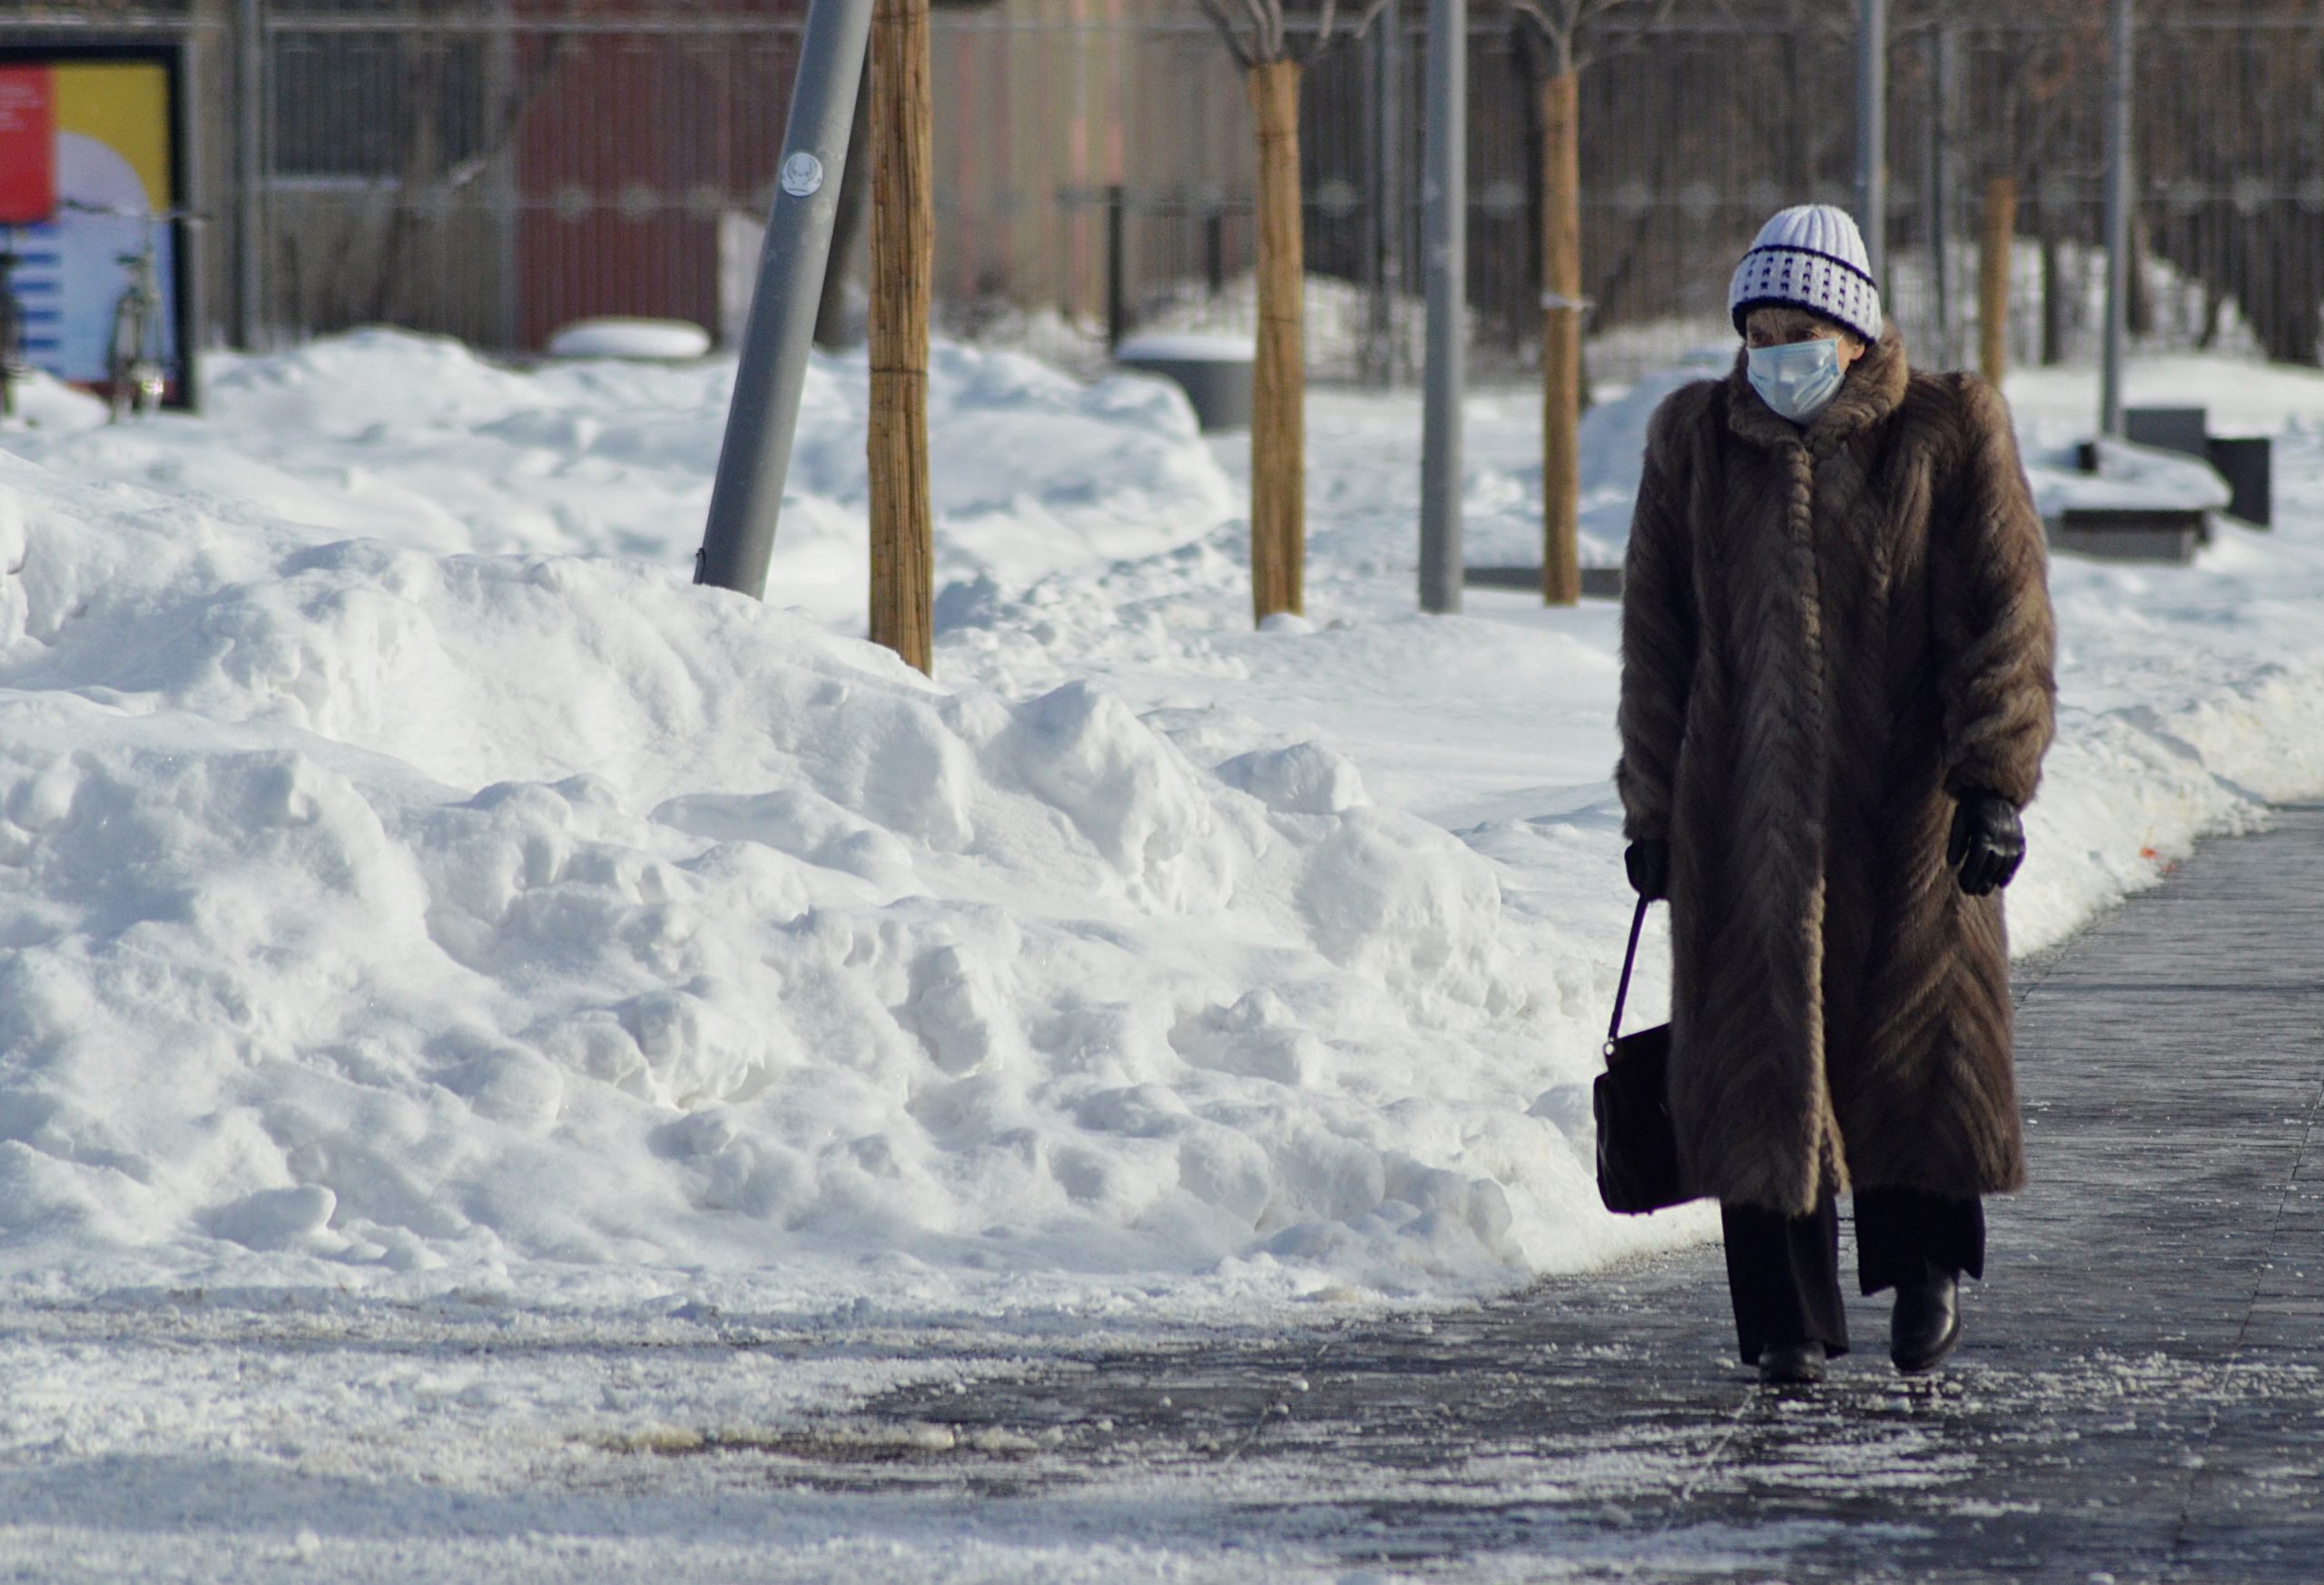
<point x="1987" y="843"/>
<point x="1648" y="863"/>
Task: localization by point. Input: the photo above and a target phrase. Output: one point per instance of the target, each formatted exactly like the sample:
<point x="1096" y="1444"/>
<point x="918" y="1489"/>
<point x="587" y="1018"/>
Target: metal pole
<point x="500" y="180"/>
<point x="1444" y="194"/>
<point x="1116" y="285"/>
<point x="755" y="456"/>
<point x="849" y="223"/>
<point x="1375" y="227"/>
<point x="188" y="243"/>
<point x="2118" y="225"/>
<point x="1396" y="214"/>
<point x="1872" y="132"/>
<point x="1944" y="131"/>
<point x="250" y="169"/>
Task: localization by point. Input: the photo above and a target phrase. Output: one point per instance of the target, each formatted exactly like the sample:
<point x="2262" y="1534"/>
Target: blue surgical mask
<point x="1799" y="378"/>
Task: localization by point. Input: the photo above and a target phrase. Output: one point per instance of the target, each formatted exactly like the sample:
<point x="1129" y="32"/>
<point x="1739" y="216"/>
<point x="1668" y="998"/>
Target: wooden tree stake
<point x="1279" y="378"/>
<point x="1561" y="341"/>
<point x="904" y="234"/>
<point x="1996" y="237"/>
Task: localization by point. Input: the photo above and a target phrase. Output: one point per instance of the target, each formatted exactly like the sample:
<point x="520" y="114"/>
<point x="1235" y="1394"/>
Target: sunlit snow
<point x="416" y="887"/>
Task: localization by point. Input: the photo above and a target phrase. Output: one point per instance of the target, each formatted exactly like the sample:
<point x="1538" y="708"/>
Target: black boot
<point x="1791" y="1363"/>
<point x="1925" y="1328"/>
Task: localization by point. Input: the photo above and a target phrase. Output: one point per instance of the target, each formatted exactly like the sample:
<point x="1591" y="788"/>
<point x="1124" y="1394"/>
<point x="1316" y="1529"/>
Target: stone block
<point x="2248" y="463"/>
<point x="2169" y="428"/>
<point x="2157" y="534"/>
<point x="1215" y="371"/>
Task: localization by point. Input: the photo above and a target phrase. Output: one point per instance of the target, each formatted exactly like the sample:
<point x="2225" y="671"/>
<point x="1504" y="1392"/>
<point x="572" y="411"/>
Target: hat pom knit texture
<point x="1810" y="257"/>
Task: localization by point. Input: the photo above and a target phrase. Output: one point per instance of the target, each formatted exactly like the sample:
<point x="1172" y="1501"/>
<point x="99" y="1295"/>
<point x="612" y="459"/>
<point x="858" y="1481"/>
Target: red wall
<point x="629" y="148"/>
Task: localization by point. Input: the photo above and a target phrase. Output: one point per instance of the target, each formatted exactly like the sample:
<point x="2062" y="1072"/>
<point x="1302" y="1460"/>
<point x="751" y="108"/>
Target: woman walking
<point x="1837" y="690"/>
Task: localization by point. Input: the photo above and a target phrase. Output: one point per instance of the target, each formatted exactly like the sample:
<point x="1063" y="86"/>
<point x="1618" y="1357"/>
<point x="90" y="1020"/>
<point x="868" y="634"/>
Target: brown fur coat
<point x="1829" y="634"/>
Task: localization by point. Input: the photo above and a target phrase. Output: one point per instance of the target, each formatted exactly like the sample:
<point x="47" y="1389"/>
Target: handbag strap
<point x="1622" y="990"/>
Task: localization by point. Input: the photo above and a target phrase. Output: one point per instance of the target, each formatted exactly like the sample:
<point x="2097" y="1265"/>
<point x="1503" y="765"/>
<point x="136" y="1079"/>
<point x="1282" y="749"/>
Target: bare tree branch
<point x="1372" y="10"/>
<point x="1632" y="38"/>
<point x="1567" y="25"/>
<point x="1234" y="40"/>
<point x="1323" y="38"/>
<point x="1328" y="30"/>
<point x="1554" y="18"/>
<point x="1263" y="45"/>
<point x="1531" y="11"/>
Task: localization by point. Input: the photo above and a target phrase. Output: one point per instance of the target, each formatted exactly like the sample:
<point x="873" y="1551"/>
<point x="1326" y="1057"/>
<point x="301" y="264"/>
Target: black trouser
<point x="1784" y="1272"/>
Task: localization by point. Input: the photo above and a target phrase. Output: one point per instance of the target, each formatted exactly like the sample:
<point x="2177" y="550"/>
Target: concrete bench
<point x="2155" y="533"/>
<point x="2246" y="461"/>
<point x="2153" y="516"/>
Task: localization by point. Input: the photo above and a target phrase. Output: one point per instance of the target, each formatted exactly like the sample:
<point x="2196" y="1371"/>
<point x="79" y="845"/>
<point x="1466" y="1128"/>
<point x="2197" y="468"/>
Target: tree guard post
<point x="1279" y="375"/>
<point x="1999" y="236"/>
<point x="1560" y="29"/>
<point x="1562" y="308"/>
<point x="1258" y="35"/>
<point x="904" y="231"/>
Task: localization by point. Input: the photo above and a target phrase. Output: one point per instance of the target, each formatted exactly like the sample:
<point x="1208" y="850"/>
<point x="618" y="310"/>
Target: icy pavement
<point x="2138" y="1397"/>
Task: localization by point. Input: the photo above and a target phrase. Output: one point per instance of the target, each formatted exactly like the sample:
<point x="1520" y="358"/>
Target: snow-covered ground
<point x="429" y="918"/>
<point x="419" y="887"/>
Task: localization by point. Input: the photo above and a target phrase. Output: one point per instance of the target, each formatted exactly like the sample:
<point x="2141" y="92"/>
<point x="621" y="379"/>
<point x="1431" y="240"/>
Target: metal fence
<point x="496" y="168"/>
<point x="1697" y="127"/>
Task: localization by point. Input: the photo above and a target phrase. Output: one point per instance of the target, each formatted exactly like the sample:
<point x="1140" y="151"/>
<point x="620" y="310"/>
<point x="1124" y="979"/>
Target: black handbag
<point x="1638" y="1145"/>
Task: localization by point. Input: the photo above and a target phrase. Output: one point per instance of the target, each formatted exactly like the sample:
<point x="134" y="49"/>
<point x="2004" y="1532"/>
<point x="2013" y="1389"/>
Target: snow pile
<point x="1186" y="347"/>
<point x="2127" y="477"/>
<point x="383" y="915"/>
<point x="622" y="337"/>
<point x="417" y="440"/>
<point x="408" y="892"/>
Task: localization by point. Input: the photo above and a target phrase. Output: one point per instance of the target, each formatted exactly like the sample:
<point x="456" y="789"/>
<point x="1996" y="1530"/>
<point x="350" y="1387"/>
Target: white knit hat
<point x="1810" y="257"/>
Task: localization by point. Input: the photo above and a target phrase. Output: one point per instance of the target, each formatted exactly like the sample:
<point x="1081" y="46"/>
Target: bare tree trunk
<point x="2278" y="286"/>
<point x="904" y="231"/>
<point x="2214" y="307"/>
<point x="1999" y="235"/>
<point x="2142" y="304"/>
<point x="1561" y="341"/>
<point x="1279" y="380"/>
<point x="831" y="329"/>
<point x="2053" y="292"/>
<point x="418" y="160"/>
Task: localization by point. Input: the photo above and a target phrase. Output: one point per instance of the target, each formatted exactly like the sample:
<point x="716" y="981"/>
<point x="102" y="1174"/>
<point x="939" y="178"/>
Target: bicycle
<point x="136" y="367"/>
<point x="137" y="351"/>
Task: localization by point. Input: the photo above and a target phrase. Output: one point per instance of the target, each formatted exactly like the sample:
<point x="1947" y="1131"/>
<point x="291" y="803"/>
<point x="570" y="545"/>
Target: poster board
<point x="91" y="166"/>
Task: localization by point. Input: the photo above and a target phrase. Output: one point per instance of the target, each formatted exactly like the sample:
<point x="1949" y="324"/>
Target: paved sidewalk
<point x="2138" y="1396"/>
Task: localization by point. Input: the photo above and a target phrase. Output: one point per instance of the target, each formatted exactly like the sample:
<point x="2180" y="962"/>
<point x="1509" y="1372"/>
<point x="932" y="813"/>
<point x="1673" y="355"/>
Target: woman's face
<point x="1777" y="327"/>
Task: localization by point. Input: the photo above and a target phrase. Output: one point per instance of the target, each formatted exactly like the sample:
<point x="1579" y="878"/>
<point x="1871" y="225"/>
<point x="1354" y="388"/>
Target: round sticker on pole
<point x="802" y="175"/>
